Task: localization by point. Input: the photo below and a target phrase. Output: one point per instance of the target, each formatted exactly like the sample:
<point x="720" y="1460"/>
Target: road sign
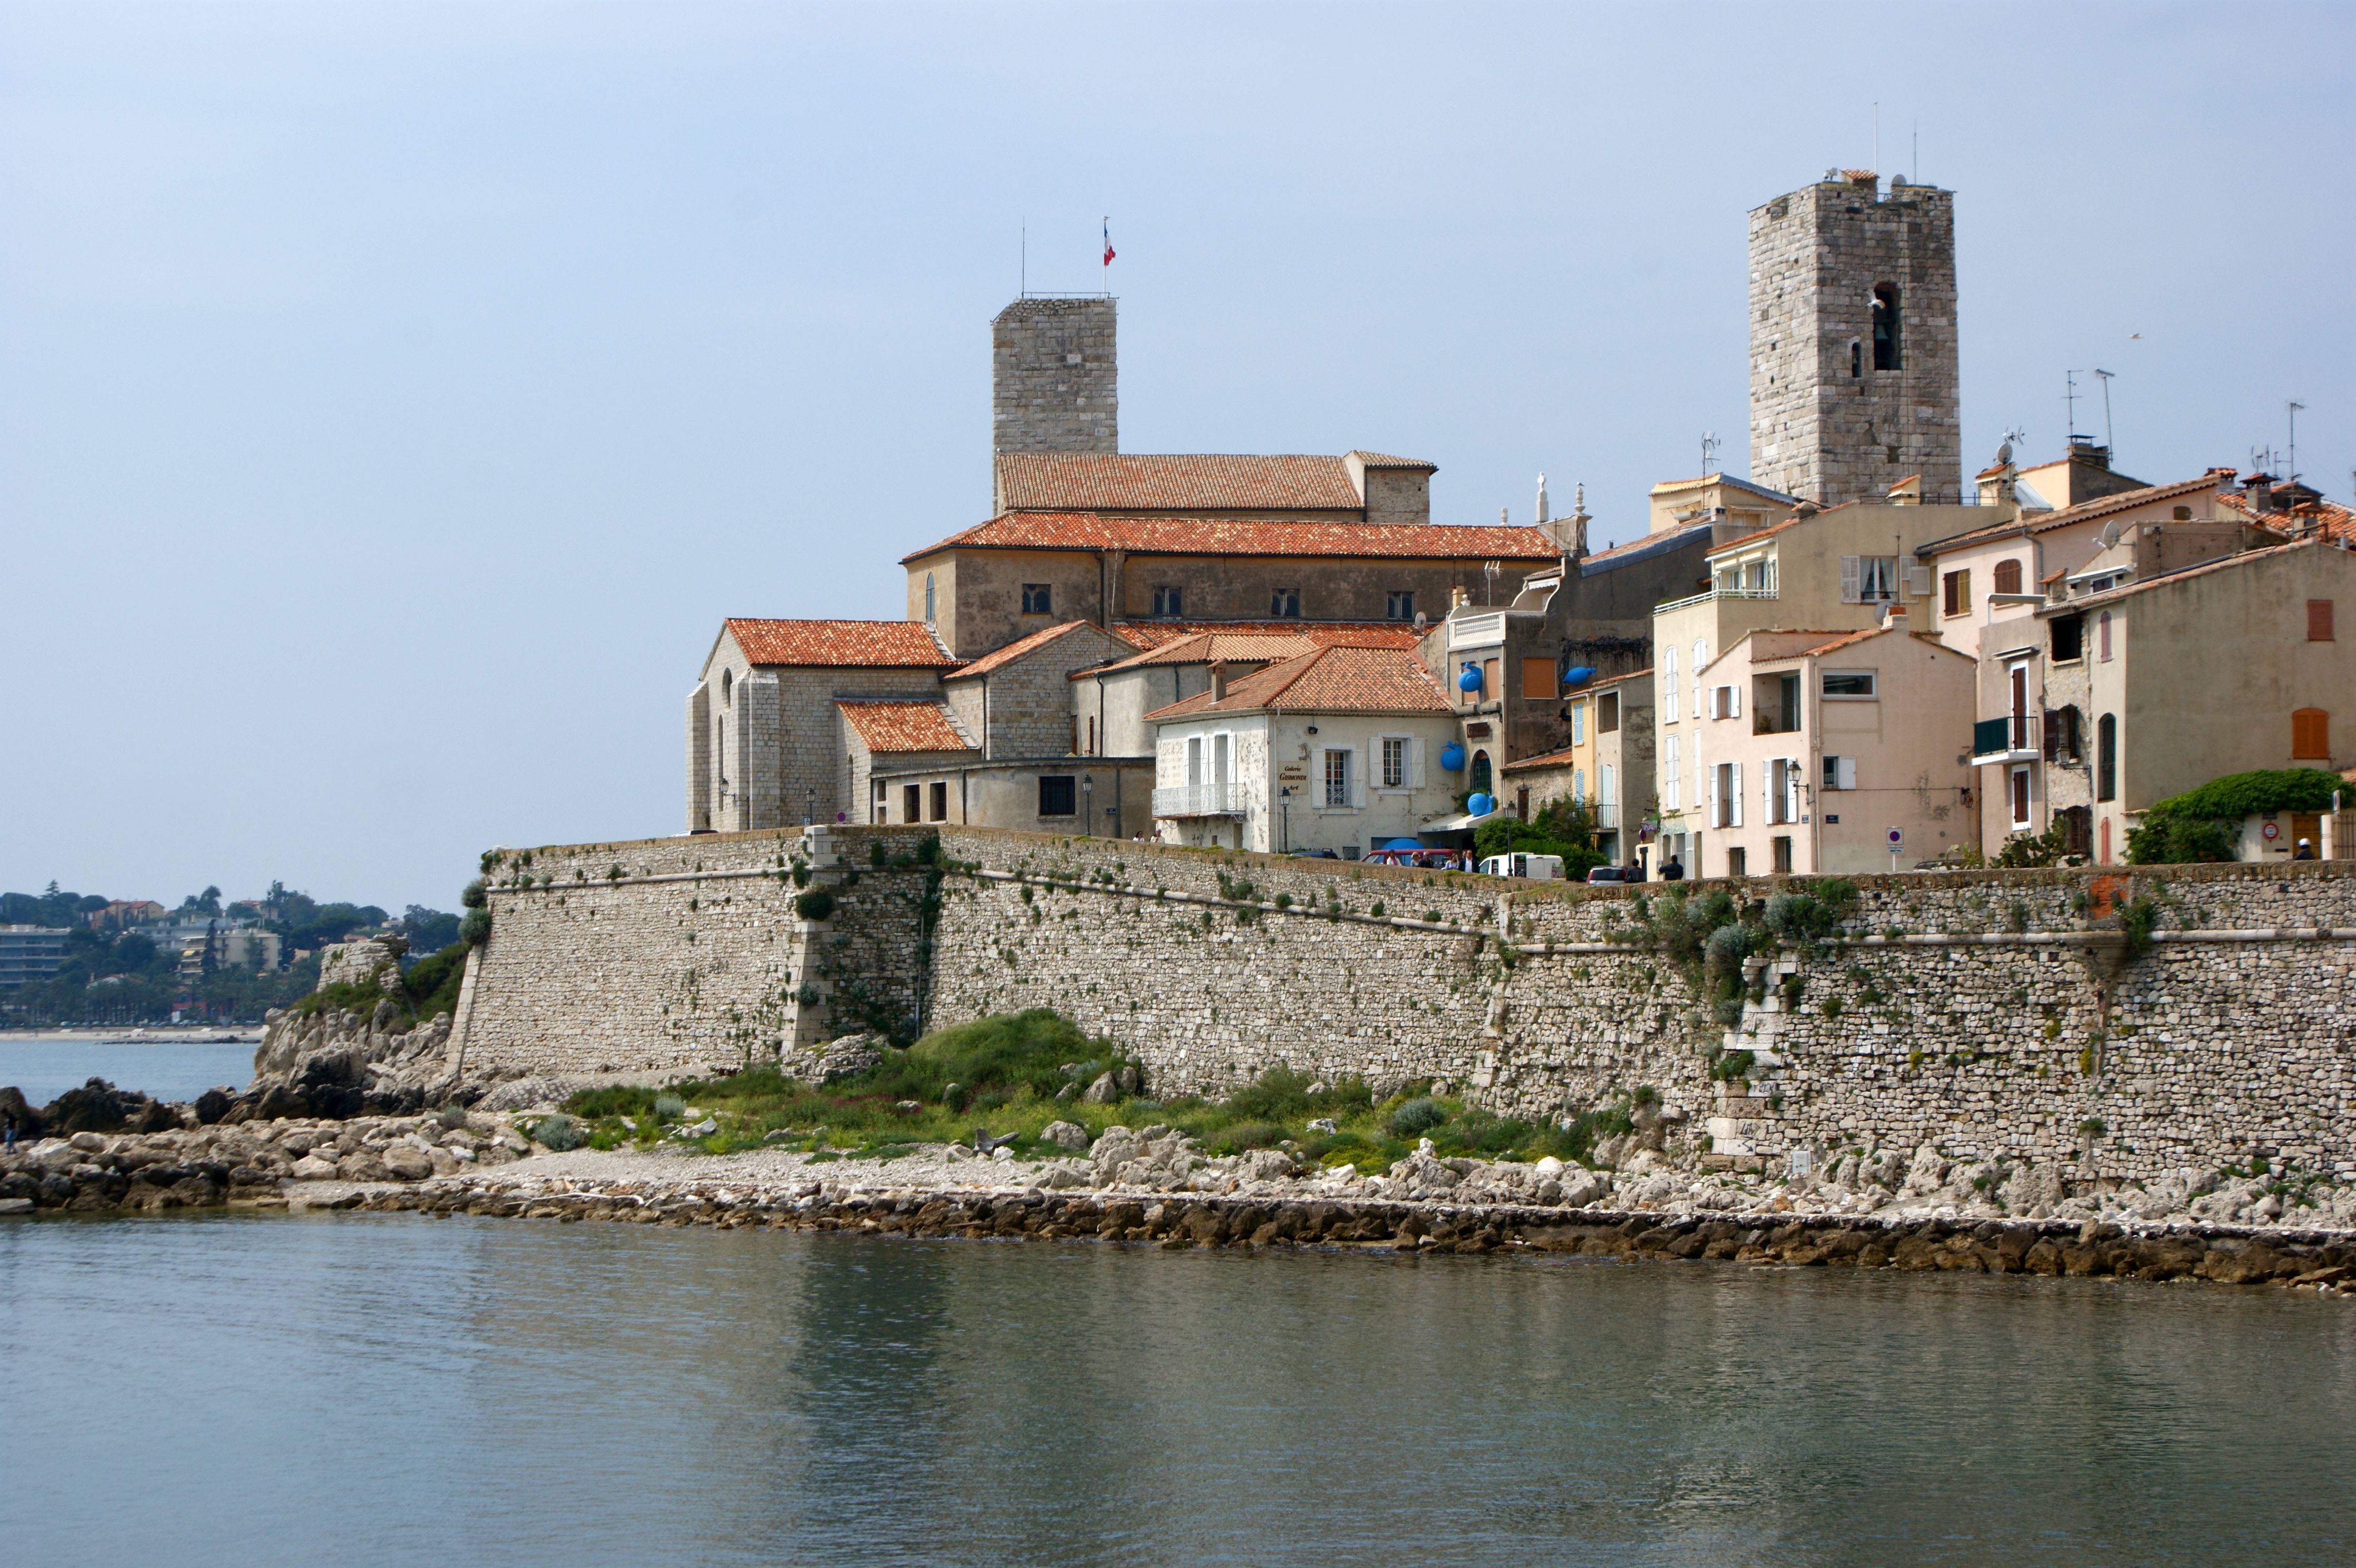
<point x="1897" y="840"/>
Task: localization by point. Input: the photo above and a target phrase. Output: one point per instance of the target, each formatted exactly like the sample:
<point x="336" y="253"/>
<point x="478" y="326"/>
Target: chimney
<point x="1218" y="679"/>
<point x="1893" y="614"/>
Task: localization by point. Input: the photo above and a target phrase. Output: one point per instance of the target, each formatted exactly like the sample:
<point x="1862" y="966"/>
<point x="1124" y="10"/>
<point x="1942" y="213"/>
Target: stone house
<point x="1839" y="569"/>
<point x="1111" y="701"/>
<point x="2027" y="745"/>
<point x="1822" y="744"/>
<point x="2180" y="678"/>
<point x="1608" y="764"/>
<point x="1335" y="749"/>
<point x="766" y="743"/>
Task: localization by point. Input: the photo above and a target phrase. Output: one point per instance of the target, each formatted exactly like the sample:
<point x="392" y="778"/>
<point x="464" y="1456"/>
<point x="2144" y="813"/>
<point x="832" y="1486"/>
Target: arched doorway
<point x="1480" y="773"/>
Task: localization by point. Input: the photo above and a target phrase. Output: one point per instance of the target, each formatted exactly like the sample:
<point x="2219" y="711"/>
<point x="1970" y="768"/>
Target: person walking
<point x="2305" y="851"/>
<point x="1673" y="869"/>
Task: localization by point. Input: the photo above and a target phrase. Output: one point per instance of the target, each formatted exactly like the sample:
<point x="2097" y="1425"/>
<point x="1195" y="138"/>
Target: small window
<point x="2310" y="735"/>
<point x="1737" y="861"/>
<point x="1956" y="593"/>
<point x="1393" y="762"/>
<point x="1036" y="600"/>
<point x="1058" y="795"/>
<point x="1888" y="352"/>
<point x="1489" y="678"/>
<point x="1337" y="777"/>
<point x="1401" y="605"/>
<point x="1579" y="724"/>
<point x="2318" y="620"/>
<point x="2021" y="797"/>
<point x="1607" y="712"/>
<point x="1284" y="604"/>
<point x="1169" y="600"/>
<point x="1848" y="683"/>
<point x="910" y="809"/>
<point x="1537" y="680"/>
<point x="1672" y="777"/>
<point x="1092" y="737"/>
<point x="727" y="687"/>
<point x="1195" y="759"/>
<point x="1856" y="358"/>
<point x="2007" y="576"/>
<point x="2069" y="638"/>
<point x="1840" y="772"/>
<point x="2107" y="757"/>
<point x="929" y="598"/>
<point x="2102" y="635"/>
<point x="940" y="800"/>
<point x="1782" y="846"/>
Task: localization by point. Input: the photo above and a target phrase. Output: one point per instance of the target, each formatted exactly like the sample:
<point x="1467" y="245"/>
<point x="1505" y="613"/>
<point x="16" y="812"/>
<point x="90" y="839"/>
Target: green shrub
<point x="432" y="983"/>
<point x="1733" y="1065"/>
<point x="476" y="929"/>
<point x="1237" y="1136"/>
<point x="668" y="1107"/>
<point x="474" y="895"/>
<point x="817" y="904"/>
<point x="559" y="1133"/>
<point x="1418" y="1115"/>
<point x="612" y="1099"/>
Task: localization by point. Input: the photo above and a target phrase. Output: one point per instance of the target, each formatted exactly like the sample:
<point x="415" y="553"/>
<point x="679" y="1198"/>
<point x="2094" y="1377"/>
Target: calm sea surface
<point x="168" y="1069"/>
<point x="264" y="1390"/>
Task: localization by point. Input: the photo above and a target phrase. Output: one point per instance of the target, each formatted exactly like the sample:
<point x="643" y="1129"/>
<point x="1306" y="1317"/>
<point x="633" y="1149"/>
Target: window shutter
<point x="1918" y="582"/>
<point x="1734" y="701"/>
<point x="1711" y="775"/>
<point x="1849" y="772"/>
<point x="2310" y="735"/>
<point x="1734" y="781"/>
<point x="1415" y="764"/>
<point x="2318" y="620"/>
<point x="1358" y="772"/>
<point x="1850" y="593"/>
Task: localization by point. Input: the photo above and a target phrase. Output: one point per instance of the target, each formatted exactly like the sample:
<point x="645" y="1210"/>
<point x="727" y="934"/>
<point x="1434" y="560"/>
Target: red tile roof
<point x="1363" y="633"/>
<point x="1545" y="759"/>
<point x="1090" y="481"/>
<point x="2101" y="506"/>
<point x="1327" y="681"/>
<point x="2332" y="520"/>
<point x="1246" y="536"/>
<point x="2126" y="590"/>
<point x="880" y="644"/>
<point x="886" y="726"/>
<point x="1202" y="648"/>
<point x="999" y="658"/>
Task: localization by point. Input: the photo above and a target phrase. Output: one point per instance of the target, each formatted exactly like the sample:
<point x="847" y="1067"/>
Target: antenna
<point x="1876" y="139"/>
<point x="2106" y="414"/>
<point x="1026" y="258"/>
<point x="2070" y="399"/>
<point x="1918" y="152"/>
<point x="2293" y="410"/>
<point x="1709" y="450"/>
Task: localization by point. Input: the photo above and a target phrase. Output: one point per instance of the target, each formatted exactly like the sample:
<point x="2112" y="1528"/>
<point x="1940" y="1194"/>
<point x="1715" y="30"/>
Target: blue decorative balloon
<point x="1579" y="675"/>
<point x="1451" y="756"/>
<point x="1468" y="678"/>
<point x="1480" y="805"/>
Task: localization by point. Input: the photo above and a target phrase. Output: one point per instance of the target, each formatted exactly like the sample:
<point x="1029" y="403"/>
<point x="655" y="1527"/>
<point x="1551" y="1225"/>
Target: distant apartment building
<point x="1606" y="767"/>
<point x="29" y="953"/>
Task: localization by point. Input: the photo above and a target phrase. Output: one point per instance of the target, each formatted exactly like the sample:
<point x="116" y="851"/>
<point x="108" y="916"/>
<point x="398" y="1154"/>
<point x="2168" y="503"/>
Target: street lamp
<point x="1088" y="803"/>
<point x="1284" y="820"/>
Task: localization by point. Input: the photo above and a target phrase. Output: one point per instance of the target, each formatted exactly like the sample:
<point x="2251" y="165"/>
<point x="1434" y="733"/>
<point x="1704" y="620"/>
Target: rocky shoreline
<point x="1146" y="1187"/>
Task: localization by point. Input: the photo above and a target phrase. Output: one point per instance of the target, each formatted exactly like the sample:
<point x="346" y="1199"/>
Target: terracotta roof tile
<point x="1384" y="460"/>
<point x="2334" y="521"/>
<point x="1363" y="633"/>
<point x="1328" y="680"/>
<point x="999" y="658"/>
<point x="1546" y="759"/>
<point x="2127" y="590"/>
<point x="1092" y="481"/>
<point x="1246" y="536"/>
<point x="1204" y="647"/>
<point x="2101" y="506"/>
<point x="887" y="726"/>
<point x="881" y="644"/>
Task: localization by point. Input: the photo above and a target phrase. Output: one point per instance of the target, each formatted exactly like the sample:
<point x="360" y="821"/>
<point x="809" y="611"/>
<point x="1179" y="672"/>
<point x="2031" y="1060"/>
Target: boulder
<point x="97" y="1106"/>
<point x="1059" y="1177"/>
<point x="1105" y="1090"/>
<point x="1066" y="1134"/>
<point x="1266" y="1164"/>
<point x="15" y="1113"/>
<point x="214" y="1103"/>
<point x="844" y="1058"/>
<point x="311" y="1168"/>
<point x="408" y="1163"/>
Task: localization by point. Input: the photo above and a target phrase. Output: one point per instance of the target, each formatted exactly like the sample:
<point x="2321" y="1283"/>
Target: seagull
<point x="2134" y="335"/>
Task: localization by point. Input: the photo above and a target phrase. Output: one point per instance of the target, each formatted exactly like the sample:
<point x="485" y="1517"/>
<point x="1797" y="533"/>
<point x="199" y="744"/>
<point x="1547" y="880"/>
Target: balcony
<point x="1703" y="598"/>
<point x="1607" y="816"/>
<point x="2012" y="738"/>
<point x="1199" y="801"/>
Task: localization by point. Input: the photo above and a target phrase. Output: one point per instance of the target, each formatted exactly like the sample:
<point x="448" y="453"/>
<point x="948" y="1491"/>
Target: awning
<point x="1461" y="824"/>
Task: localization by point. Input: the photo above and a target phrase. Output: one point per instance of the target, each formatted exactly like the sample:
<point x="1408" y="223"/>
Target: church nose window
<point x="1035" y="599"/>
<point x="1886" y="347"/>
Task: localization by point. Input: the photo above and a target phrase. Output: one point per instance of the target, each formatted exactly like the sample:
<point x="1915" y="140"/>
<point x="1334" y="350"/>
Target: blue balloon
<point x="1451" y="756"/>
<point x="1468" y="678"/>
<point x="1579" y="675"/>
<point x="1480" y="805"/>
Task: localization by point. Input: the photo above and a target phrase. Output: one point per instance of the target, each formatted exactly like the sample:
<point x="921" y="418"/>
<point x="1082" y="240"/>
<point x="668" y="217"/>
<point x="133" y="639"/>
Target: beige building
<point x="1839" y="569"/>
<point x="1821" y="746"/>
<point x="1335" y="749"/>
<point x="1608" y="766"/>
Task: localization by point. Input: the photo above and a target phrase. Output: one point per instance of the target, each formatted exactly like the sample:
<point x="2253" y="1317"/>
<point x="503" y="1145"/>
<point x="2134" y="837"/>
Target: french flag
<point x="1108" y="238"/>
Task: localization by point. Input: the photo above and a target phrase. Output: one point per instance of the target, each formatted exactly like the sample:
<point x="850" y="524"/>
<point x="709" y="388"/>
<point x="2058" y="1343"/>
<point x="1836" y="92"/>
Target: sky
<point x="394" y="398"/>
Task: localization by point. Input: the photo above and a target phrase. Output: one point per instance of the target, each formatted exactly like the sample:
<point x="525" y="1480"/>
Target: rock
<point x="1325" y="1124"/>
<point x="1266" y="1164"/>
<point x="1105" y="1090"/>
<point x="97" y="1106"/>
<point x="407" y="1163"/>
<point x="524" y="1093"/>
<point x="444" y="1161"/>
<point x="1547" y="1168"/>
<point x="88" y="1142"/>
<point x="1066" y="1134"/>
<point x="15" y="1205"/>
<point x="1001" y="1154"/>
<point x="1061" y="1177"/>
<point x="311" y="1168"/>
<point x="15" y="1113"/>
<point x="214" y="1103"/>
<point x="1130" y="1079"/>
<point x="844" y="1058"/>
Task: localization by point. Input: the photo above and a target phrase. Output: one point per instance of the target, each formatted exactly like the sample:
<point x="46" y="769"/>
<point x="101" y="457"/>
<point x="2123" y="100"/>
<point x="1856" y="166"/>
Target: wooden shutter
<point x="1849" y="772"/>
<point x="2318" y="620"/>
<point x="2310" y="735"/>
<point x="1850" y="593"/>
<point x="1734" y="790"/>
<point x="2007" y="576"/>
<point x="1537" y="678"/>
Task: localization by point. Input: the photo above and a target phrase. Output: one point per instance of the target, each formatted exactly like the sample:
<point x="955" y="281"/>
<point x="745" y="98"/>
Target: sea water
<point x="46" y="1065"/>
<point x="393" y="1388"/>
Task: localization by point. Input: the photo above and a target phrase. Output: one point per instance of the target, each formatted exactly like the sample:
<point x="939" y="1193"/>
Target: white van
<point x="1539" y="867"/>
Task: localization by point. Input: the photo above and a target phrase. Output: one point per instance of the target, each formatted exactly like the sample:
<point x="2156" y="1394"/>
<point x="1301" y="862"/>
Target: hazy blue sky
<point x="394" y="398"/>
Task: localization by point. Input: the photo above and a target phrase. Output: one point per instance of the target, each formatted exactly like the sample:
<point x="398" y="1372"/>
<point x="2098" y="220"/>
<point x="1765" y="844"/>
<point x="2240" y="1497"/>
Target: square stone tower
<point x="1853" y="341"/>
<point x="1053" y="377"/>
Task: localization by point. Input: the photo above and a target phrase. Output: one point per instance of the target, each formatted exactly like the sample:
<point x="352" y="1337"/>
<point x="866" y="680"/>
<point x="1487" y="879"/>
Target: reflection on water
<point x="390" y="1388"/>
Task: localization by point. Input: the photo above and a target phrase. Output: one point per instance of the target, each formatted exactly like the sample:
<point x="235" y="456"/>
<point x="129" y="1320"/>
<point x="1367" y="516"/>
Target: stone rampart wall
<point x="1993" y="1014"/>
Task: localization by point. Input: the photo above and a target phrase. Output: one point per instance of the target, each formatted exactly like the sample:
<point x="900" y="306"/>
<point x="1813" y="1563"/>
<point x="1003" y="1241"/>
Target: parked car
<point x="1536" y="867"/>
<point x="1314" y="854"/>
<point x="1608" y="874"/>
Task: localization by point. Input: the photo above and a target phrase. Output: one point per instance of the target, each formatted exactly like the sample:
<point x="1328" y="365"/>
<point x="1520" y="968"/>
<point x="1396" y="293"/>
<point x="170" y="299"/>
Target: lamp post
<point x="1284" y="820"/>
<point x="1087" y="805"/>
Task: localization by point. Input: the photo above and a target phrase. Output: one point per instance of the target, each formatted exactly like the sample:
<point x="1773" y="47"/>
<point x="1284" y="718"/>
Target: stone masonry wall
<point x="1053" y="377"/>
<point x="1988" y="1014"/>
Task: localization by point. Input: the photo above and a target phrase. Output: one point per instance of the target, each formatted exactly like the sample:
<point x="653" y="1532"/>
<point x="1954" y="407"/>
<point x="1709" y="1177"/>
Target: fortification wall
<point x="1992" y="1015"/>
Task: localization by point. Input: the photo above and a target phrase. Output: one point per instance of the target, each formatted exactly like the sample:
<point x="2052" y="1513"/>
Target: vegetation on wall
<point x="2203" y="824"/>
<point x="1562" y="827"/>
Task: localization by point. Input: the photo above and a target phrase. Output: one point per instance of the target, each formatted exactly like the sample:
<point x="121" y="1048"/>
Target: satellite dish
<point x="2110" y="535"/>
<point x="2004" y="454"/>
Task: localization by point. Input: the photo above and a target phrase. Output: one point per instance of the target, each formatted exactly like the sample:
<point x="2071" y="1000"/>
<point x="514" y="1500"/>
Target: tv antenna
<point x="1708" y="449"/>
<point x="2070" y="400"/>
<point x="2293" y="410"/>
